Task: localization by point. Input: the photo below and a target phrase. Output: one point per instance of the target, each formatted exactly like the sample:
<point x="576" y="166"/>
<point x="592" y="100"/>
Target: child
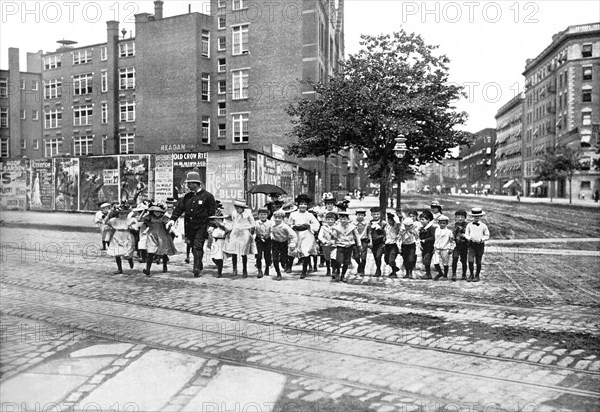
<point x="240" y="242"/>
<point x="460" y="250"/>
<point x="346" y="239"/>
<point x="263" y="241"/>
<point x="363" y="232"/>
<point x="436" y="211"/>
<point x="282" y="237"/>
<point x="105" y="232"/>
<point x="122" y="244"/>
<point x="328" y="243"/>
<point x="392" y="235"/>
<point x="409" y="235"/>
<point x="142" y="231"/>
<point x="158" y="241"/>
<point x="427" y="237"/>
<point x="217" y="231"/>
<point x="288" y="262"/>
<point x="377" y="240"/>
<point x="443" y="246"/>
<point x="476" y="234"/>
<point x="306" y="226"/>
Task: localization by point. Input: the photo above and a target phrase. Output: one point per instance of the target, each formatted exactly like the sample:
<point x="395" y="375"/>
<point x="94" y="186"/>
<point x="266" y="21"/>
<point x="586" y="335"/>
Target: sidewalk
<point x="538" y="200"/>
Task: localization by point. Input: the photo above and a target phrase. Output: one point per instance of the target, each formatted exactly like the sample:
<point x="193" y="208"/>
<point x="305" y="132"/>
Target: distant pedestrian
<point x="518" y="196"/>
<point x="476" y="234"/>
<point x="122" y="245"/>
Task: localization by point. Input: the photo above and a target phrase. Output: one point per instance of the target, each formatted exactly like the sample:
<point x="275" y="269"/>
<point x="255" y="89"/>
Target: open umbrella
<point x="267" y="189"/>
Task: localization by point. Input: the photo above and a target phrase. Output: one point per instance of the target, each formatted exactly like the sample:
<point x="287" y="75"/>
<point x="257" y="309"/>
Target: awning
<point x="487" y="186"/>
<point x="538" y="184"/>
<point x="508" y="184"/>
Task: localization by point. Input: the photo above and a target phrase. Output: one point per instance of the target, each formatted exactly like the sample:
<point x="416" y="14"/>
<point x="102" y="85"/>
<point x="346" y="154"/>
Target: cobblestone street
<point x="525" y="338"/>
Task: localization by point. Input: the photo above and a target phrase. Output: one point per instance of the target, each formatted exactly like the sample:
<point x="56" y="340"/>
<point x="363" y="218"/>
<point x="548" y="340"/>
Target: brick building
<point x="192" y="82"/>
<point x="562" y="106"/>
<point x="477" y="163"/>
<point x="509" y="141"/>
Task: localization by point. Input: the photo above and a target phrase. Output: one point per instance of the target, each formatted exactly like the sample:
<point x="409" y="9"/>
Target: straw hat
<point x="105" y="204"/>
<point x="477" y="211"/>
<point x="240" y="203"/>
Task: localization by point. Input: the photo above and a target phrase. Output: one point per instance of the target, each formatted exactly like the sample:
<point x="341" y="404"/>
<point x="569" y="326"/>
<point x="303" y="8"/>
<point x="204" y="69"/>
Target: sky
<point x="487" y="42"/>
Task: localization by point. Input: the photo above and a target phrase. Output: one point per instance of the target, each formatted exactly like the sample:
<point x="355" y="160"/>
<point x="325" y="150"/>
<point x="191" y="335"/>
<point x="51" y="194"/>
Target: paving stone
<point x="566" y="361"/>
<point x="547" y="360"/>
<point x="295" y="394"/>
<point x="582" y="364"/>
<point x="315" y="396"/>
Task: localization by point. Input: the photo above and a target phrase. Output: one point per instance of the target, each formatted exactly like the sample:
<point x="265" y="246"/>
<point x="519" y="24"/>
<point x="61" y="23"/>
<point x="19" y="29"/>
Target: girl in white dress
<point x="306" y="227"/>
<point x="240" y="242"/>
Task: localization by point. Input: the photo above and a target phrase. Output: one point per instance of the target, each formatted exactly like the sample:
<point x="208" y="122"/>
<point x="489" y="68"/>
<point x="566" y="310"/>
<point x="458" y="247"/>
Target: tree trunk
<point x="398" y="196"/>
<point x="570" y="199"/>
<point x="325" y="175"/>
<point x="550" y="190"/>
<point x="383" y="196"/>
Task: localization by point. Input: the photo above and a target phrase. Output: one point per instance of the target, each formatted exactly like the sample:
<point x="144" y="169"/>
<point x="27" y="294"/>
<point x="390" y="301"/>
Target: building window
<point x="35" y="115"/>
<point x="586" y="118"/>
<point x="126" y="143"/>
<point x="127" y="49"/>
<point x="222" y="111"/>
<point x="222" y="130"/>
<point x="23" y="144"/>
<point x="35" y="85"/>
<point x="22" y="84"/>
<point x="52" y="147"/>
<point x="23" y="114"/>
<point x="127" y="78"/>
<point x="240" y="128"/>
<point x="222" y="44"/>
<point x="104" y="81"/>
<point x="586" y="95"/>
<point x="240" y="39"/>
<point x="36" y="144"/>
<point x="82" y="84"/>
<point x="240" y="84"/>
<point x="3" y="87"/>
<point x="205" y="43"/>
<point x="4" y="118"/>
<point x="587" y="73"/>
<point x="104" y="112"/>
<point x="222" y="66"/>
<point x="52" y="62"/>
<point x="53" y="89"/>
<point x="221" y="3"/>
<point x="239" y="4"/>
<point x="104" y="143"/>
<point x="586" y="50"/>
<point x="82" y="146"/>
<point x="222" y="87"/>
<point x="4" y="146"/>
<point x="103" y="53"/>
<point x="52" y="119"/>
<point x="127" y="110"/>
<point x="205" y="87"/>
<point x="82" y="57"/>
<point x="222" y="22"/>
<point x="205" y="129"/>
<point x="82" y="115"/>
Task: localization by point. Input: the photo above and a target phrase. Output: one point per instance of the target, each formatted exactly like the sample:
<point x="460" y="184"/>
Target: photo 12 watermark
<point x="469" y="12"/>
<point x="67" y="11"/>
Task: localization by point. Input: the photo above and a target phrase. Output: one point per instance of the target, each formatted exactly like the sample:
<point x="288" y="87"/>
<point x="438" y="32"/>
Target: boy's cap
<point x="460" y="212"/>
<point x="330" y="215"/>
<point x="344" y="213"/>
<point x="263" y="210"/>
<point x="427" y="215"/>
<point x="477" y="211"/>
<point x="435" y="203"/>
<point x="103" y="205"/>
<point x="408" y="222"/>
<point x="363" y="211"/>
<point x="375" y="209"/>
<point x="443" y="218"/>
<point x="279" y="213"/>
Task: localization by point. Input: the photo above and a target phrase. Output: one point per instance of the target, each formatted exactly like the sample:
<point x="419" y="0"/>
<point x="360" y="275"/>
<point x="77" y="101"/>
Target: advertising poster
<point x="94" y="187"/>
<point x="66" y="182"/>
<point x="225" y="177"/>
<point x="287" y="171"/>
<point x="163" y="177"/>
<point x="13" y="184"/>
<point x="184" y="163"/>
<point x="133" y="178"/>
<point x="42" y="187"/>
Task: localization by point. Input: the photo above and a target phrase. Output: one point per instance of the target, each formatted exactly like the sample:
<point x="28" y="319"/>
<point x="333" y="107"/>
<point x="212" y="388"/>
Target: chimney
<point x="158" y="9"/>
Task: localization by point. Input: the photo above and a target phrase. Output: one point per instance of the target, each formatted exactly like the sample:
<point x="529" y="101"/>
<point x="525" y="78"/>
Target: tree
<point x="395" y="85"/>
<point x="561" y="162"/>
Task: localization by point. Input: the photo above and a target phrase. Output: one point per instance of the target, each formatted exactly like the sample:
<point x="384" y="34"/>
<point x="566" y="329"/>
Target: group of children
<point x="285" y="232"/>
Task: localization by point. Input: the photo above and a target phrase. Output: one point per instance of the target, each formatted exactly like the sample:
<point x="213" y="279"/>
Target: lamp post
<point x="399" y="150"/>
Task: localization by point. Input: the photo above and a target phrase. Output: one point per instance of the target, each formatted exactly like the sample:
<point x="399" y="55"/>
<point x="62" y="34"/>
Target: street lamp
<point x="399" y="150"/>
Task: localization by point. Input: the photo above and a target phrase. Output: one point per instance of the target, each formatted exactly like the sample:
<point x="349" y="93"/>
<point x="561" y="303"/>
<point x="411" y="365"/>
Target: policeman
<point x="198" y="205"/>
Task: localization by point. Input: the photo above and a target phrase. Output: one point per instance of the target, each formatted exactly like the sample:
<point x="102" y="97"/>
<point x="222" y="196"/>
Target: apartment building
<point x="478" y="163"/>
<point x="509" y="141"/>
